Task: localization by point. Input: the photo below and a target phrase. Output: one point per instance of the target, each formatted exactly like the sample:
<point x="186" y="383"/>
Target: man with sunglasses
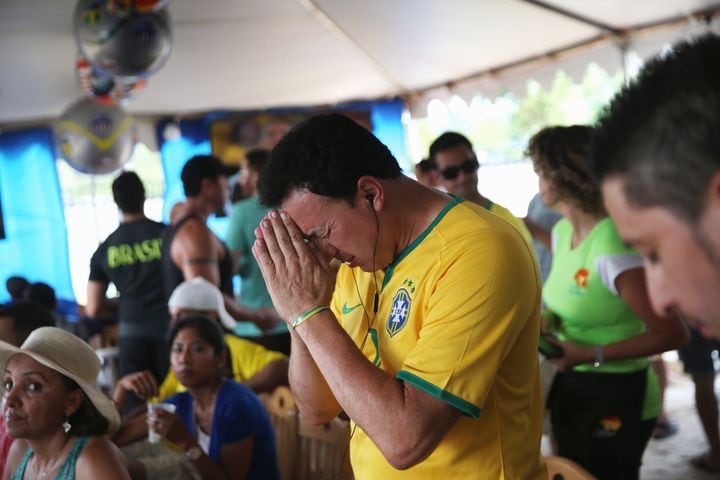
<point x="453" y="154"/>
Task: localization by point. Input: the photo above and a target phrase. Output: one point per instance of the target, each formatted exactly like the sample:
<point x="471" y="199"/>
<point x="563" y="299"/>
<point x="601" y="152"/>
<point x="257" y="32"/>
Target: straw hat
<point x="71" y="356"/>
<point x="199" y="294"/>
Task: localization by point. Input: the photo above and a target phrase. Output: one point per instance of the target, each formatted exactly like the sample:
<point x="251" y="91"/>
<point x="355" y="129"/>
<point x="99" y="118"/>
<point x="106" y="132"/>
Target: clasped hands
<point x="298" y="275"/>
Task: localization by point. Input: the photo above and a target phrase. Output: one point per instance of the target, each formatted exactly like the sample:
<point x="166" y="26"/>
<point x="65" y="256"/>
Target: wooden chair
<point x="283" y="414"/>
<point x="561" y="468"/>
<point x="323" y="451"/>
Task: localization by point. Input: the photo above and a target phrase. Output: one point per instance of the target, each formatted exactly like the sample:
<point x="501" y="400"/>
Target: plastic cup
<point x="168" y="407"/>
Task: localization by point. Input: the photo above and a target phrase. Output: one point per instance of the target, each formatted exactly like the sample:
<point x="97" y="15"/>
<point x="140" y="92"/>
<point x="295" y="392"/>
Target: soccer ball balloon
<point x="95" y="138"/>
<point x="128" y="6"/>
<point x="133" y="44"/>
<point x="104" y="88"/>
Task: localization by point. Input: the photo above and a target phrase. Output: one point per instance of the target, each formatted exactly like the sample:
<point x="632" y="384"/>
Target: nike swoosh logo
<point x="346" y="309"/>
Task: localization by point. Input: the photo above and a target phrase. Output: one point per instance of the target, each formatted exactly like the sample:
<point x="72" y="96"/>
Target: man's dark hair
<point x="42" y="293"/>
<point x="129" y="192"/>
<point x="426" y="165"/>
<point x="326" y="155"/>
<point x="27" y="316"/>
<point x="446" y="141"/>
<point x="201" y="167"/>
<point x="257" y="159"/>
<point x="16" y="286"/>
<point x="661" y="134"/>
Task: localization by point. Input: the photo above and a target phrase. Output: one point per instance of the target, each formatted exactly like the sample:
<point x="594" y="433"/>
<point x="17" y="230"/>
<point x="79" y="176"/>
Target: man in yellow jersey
<point x="426" y="336"/>
<point x="458" y="166"/>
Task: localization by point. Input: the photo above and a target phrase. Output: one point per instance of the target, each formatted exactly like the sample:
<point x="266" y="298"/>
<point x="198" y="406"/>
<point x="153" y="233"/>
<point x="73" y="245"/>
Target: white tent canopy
<point x="257" y="54"/>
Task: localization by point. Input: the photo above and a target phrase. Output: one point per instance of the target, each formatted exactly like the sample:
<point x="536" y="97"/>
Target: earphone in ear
<point x="370" y="198"/>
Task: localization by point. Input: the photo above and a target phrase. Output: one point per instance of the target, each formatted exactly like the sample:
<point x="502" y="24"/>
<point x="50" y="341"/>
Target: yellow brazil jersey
<point x="458" y="318"/>
<point x="247" y="359"/>
<point x="506" y="214"/>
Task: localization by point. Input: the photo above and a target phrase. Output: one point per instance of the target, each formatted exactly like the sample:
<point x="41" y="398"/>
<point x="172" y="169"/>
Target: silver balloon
<point x="107" y="89"/>
<point x="95" y="138"/>
<point x="128" y="44"/>
<point x="129" y="6"/>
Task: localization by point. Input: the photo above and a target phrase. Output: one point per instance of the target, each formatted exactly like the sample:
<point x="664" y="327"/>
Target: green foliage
<point x="501" y="128"/>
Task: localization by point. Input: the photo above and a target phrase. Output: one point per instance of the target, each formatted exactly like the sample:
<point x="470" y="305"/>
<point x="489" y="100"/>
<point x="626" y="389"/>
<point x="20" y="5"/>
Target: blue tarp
<point x="36" y="244"/>
<point x="195" y="140"/>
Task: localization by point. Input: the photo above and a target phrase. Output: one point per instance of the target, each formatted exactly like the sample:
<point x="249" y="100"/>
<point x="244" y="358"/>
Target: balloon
<point x="134" y="44"/>
<point x="105" y="88"/>
<point x="95" y="138"/>
<point x="128" y="6"/>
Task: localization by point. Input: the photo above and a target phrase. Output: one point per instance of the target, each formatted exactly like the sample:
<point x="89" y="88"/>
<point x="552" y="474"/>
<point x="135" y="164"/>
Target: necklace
<point x="195" y="416"/>
<point x="51" y="465"/>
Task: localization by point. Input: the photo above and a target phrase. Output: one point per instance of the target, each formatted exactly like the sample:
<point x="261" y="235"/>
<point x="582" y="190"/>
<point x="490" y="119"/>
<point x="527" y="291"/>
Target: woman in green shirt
<point x="605" y="400"/>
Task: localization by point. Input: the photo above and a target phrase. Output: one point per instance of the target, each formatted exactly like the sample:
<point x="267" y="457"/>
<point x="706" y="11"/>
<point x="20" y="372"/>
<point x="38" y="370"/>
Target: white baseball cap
<point x="200" y="294"/>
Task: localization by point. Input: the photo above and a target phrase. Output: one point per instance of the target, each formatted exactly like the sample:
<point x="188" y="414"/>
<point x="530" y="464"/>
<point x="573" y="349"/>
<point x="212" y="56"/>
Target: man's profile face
<point x="463" y="184"/>
<point x="220" y="192"/>
<point x="681" y="268"/>
<point x="431" y="178"/>
<point x="341" y="231"/>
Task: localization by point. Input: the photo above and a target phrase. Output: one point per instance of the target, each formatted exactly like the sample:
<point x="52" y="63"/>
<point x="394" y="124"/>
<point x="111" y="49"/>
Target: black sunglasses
<point x="469" y="165"/>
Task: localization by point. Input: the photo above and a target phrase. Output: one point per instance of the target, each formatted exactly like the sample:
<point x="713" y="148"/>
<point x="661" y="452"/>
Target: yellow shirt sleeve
<point x="248" y="358"/>
<point x="516" y="222"/>
<point x="169" y="387"/>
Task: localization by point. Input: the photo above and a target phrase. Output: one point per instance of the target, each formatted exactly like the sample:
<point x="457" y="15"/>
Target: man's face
<point x="219" y="192"/>
<point x="431" y="178"/>
<point x="454" y="162"/>
<point x="680" y="262"/>
<point x="338" y="229"/>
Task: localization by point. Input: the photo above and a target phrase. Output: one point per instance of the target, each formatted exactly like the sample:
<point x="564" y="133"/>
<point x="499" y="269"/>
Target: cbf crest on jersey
<point x="399" y="312"/>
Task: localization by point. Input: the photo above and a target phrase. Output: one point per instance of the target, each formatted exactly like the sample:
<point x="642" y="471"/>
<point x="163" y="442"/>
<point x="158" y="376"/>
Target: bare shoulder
<point x="15" y="456"/>
<point x="192" y="224"/>
<point x="101" y="459"/>
<point x="194" y="230"/>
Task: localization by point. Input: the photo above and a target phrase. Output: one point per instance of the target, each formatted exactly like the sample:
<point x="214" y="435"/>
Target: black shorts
<point x="136" y="354"/>
<point x="697" y="356"/>
<point x="597" y="421"/>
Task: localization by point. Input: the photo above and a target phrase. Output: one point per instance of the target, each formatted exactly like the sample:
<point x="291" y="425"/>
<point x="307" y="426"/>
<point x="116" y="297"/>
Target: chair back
<point x="324" y="451"/>
<point x="561" y="468"/>
<point x="280" y="404"/>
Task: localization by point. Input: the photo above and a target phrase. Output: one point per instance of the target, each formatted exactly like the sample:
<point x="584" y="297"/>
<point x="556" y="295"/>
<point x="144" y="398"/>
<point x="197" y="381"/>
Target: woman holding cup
<point x="220" y="425"/>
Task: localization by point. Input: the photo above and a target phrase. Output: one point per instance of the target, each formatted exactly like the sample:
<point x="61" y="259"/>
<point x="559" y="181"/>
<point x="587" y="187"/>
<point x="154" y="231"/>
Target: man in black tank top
<point x="190" y="248"/>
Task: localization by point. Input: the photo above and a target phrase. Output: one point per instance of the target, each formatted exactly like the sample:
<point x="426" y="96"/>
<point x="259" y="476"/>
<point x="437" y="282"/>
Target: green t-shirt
<point x="589" y="313"/>
<point x="244" y="219"/>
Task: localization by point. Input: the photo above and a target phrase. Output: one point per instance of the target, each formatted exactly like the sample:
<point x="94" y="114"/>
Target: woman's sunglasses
<point x="469" y="165"/>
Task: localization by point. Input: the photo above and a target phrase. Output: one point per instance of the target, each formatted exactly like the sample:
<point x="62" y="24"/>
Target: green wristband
<point x="310" y="313"/>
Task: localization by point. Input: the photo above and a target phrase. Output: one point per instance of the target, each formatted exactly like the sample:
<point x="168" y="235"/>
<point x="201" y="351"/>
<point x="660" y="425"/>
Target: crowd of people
<point x="413" y="307"/>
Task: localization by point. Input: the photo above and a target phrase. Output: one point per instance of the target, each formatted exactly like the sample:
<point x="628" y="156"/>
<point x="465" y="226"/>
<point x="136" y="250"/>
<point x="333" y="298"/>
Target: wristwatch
<point x="599" y="356"/>
<point x="193" y="453"/>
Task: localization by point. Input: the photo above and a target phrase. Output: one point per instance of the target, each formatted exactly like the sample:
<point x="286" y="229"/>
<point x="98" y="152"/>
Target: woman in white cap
<point x="51" y="402"/>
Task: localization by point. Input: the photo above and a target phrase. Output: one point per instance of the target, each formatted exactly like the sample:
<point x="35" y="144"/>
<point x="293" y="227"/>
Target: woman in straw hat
<point x="52" y="403"/>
